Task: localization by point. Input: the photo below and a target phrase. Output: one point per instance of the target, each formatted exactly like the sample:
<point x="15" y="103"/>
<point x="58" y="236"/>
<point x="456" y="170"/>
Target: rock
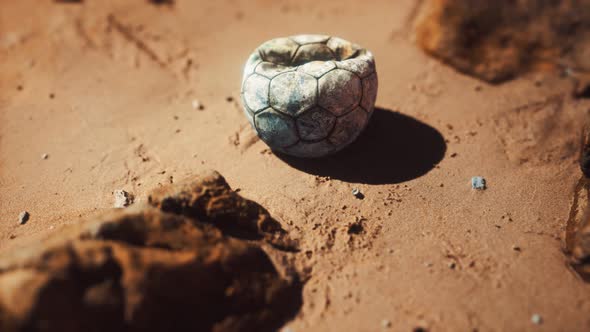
<point x="498" y="40"/>
<point x="122" y="198"/>
<point x="23" y="217"/>
<point x="197" y="105"/>
<point x="478" y="183"/>
<point x="536" y="319"/>
<point x="144" y="269"/>
<point x="208" y="197"/>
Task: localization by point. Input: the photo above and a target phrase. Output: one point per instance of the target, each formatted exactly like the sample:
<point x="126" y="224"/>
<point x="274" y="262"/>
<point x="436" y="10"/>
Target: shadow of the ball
<point x="393" y="148"/>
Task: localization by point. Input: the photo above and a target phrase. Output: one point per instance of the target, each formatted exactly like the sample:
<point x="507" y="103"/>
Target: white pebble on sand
<point x="44" y="156"/>
<point x="478" y="183"/>
<point x="385" y="324"/>
<point x="197" y="104"/>
<point x="122" y="198"/>
<point x="23" y="217"/>
<point x="537" y="319"/>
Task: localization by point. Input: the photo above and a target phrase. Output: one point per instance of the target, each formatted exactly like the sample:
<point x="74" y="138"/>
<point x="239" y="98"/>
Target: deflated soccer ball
<point x="309" y="95"/>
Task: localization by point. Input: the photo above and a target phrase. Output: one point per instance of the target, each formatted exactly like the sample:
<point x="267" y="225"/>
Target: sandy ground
<point x="105" y="88"/>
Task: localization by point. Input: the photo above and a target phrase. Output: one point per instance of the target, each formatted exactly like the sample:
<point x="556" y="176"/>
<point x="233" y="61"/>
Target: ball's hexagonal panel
<point x="255" y="92"/>
<point x="339" y="91"/>
<point x="311" y="149"/>
<point x="317" y="68"/>
<point x="251" y="64"/>
<point x="276" y="129"/>
<point x="315" y="124"/>
<point x="270" y="70"/>
<point x="293" y="92"/>
<point x="308" y="39"/>
<point x="313" y="52"/>
<point x="348" y="127"/>
<point x="370" y="85"/>
<point x="279" y="51"/>
<point x="341" y="48"/>
<point x="363" y="65"/>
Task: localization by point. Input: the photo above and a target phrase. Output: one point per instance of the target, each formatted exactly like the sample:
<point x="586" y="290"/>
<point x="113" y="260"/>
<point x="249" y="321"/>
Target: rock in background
<point x="151" y="269"/>
<point x="498" y="40"/>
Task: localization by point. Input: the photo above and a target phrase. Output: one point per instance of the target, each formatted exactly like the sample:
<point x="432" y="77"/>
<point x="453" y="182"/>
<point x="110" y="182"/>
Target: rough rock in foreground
<point x="498" y="40"/>
<point x="142" y="269"/>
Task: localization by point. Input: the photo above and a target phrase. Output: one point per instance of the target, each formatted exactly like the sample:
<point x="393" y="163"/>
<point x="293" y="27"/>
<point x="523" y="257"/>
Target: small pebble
<point x="385" y="323"/>
<point x="452" y="265"/>
<point x="537" y="319"/>
<point x="478" y="182"/>
<point x="122" y="198"/>
<point x="197" y="105"/>
<point x="23" y="217"/>
<point x="357" y="193"/>
<point x="44" y="156"/>
<point x="516" y="248"/>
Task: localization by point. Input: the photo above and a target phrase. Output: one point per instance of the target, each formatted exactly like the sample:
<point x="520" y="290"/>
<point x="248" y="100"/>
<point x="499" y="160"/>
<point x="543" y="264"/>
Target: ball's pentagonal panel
<point x="311" y="149"/>
<point x="369" y="92"/>
<point x="270" y="70"/>
<point x="339" y="91"/>
<point x="309" y="95"/>
<point x="348" y="127"/>
<point x="315" y="124"/>
<point x="313" y="52"/>
<point x="279" y="51"/>
<point x="251" y="64"/>
<point x="255" y="92"/>
<point x="276" y="129"/>
<point x="363" y="65"/>
<point x="341" y="48"/>
<point x="293" y="92"/>
<point x="317" y="68"/>
<point x="308" y="39"/>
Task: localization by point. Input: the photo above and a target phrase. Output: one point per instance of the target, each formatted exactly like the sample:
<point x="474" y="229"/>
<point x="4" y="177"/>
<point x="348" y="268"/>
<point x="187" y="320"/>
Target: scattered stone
<point x="357" y="193"/>
<point x="356" y="227"/>
<point x="478" y="182"/>
<point x="537" y="319"/>
<point x="452" y="265"/>
<point x="419" y="329"/>
<point x="23" y="217"/>
<point x="428" y="264"/>
<point x="122" y="198"/>
<point x="229" y="99"/>
<point x="51" y="95"/>
<point x="386" y="323"/>
<point x="197" y="105"/>
<point x="516" y="248"/>
<point x="44" y="156"/>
